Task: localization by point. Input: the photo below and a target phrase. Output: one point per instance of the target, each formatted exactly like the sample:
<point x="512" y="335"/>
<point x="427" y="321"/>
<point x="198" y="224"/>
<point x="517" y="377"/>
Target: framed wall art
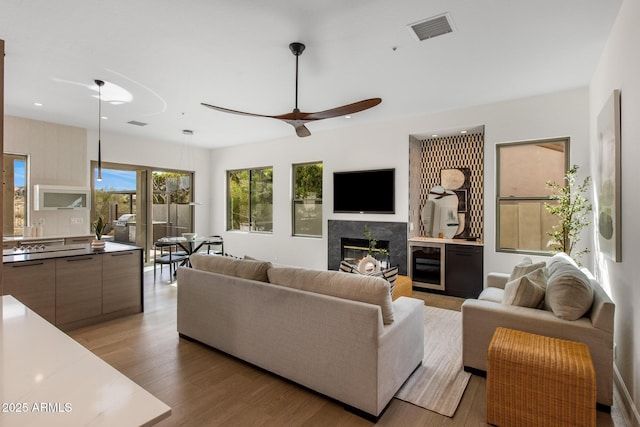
<point x="607" y="179"/>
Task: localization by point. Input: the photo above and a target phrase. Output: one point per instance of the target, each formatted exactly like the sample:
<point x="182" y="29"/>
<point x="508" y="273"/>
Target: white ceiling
<point x="172" y="55"/>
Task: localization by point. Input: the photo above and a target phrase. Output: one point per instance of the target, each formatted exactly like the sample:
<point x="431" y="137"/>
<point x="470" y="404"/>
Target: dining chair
<point x="218" y="245"/>
<point x="168" y="256"/>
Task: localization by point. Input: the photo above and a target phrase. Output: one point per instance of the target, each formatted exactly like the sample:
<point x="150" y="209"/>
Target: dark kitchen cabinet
<point x="463" y="270"/>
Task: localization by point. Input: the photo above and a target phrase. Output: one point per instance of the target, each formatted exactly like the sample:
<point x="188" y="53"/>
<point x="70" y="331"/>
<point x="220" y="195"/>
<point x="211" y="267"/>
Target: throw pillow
<point x="525" y="266"/>
<point x="348" y="268"/>
<point x="569" y="293"/>
<point x="526" y="291"/>
<point x="390" y="274"/>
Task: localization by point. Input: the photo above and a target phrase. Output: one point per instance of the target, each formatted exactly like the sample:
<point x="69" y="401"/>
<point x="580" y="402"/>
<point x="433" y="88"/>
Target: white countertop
<point x="62" y="251"/>
<point x="39" y="238"/>
<point x="447" y="241"/>
<point x="54" y="381"/>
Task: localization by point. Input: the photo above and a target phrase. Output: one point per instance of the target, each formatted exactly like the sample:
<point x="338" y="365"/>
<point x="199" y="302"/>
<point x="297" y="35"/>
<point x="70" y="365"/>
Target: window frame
<point x="229" y="219"/>
<point x="318" y="201"/>
<point x="499" y="199"/>
<point x="27" y="190"/>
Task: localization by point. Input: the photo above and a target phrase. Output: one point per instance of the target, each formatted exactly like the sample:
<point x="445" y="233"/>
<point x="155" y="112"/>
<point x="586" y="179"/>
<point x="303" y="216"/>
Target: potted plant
<point x="373" y="252"/>
<point x="98" y="228"/>
<point x="572" y="210"/>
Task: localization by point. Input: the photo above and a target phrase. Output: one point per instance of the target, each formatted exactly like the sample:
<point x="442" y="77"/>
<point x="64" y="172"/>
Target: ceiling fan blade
<point x="344" y="110"/>
<point x="302" y="131"/>
<point x="242" y="113"/>
<point x="296" y="118"/>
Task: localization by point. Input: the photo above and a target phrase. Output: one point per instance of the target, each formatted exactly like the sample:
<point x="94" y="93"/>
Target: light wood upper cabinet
<point x="121" y="281"/>
<point x="34" y="284"/>
<point x="78" y="288"/>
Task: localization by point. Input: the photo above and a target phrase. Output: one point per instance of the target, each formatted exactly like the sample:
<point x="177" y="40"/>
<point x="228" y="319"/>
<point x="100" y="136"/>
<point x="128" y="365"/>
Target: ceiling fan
<point x="297" y="118"/>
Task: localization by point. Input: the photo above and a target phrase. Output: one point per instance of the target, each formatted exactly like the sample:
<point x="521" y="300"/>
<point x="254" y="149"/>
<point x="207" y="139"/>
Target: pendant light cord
<point x="100" y="83"/>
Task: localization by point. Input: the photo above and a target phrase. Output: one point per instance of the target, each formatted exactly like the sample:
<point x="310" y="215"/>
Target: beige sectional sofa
<point x="560" y="302"/>
<point x="336" y="333"/>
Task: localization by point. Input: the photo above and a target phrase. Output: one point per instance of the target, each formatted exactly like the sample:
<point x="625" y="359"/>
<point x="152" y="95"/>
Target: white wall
<point x="386" y="145"/>
<point x="127" y="149"/>
<point x="619" y="68"/>
<point x="57" y="156"/>
<point x="60" y="155"/>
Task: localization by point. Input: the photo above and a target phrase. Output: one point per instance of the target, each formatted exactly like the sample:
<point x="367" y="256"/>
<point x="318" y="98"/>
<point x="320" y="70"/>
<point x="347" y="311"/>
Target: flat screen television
<point x="367" y="191"/>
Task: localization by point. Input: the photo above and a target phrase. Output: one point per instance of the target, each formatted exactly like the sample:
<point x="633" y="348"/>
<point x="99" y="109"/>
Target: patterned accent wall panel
<point x="428" y="157"/>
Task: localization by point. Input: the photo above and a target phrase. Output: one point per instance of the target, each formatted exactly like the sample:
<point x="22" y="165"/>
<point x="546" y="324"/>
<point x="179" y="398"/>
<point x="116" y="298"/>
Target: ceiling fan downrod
<point x="296" y="48"/>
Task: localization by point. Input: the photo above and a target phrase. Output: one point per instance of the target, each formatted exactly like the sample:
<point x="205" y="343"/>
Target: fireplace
<point x="353" y="250"/>
<point x="394" y="234"/>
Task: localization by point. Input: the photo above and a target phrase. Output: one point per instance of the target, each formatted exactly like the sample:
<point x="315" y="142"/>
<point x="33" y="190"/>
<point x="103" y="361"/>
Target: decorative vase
<point x="97" y="244"/>
<point x="368" y="264"/>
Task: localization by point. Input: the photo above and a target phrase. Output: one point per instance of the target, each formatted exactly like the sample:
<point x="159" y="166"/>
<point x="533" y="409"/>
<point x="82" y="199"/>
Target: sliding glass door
<point x="141" y="204"/>
<point x="172" y="207"/>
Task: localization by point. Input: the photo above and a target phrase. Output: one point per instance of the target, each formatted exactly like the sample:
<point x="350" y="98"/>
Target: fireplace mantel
<point x="394" y="232"/>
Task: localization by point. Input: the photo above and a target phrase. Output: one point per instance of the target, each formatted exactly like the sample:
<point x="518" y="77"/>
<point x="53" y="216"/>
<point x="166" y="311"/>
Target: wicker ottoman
<point x="534" y="380"/>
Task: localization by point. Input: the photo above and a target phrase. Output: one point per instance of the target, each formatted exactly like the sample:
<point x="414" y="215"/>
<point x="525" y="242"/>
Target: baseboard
<point x="474" y="371"/>
<point x="631" y="411"/>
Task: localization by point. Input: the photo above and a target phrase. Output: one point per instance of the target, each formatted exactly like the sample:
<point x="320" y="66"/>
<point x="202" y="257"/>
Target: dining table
<point x="189" y="246"/>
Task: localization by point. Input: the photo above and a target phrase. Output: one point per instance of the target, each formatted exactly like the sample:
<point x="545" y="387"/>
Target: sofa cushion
<point x="356" y="287"/>
<point x="569" y="293"/>
<point x="526" y="291"/>
<point x="242" y="268"/>
<point x="389" y="274"/>
<point x="492" y="294"/>
<point x="525" y="266"/>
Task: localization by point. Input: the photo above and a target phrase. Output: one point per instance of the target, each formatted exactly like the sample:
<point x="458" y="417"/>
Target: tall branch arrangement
<point x="572" y="209"/>
<point x="373" y="243"/>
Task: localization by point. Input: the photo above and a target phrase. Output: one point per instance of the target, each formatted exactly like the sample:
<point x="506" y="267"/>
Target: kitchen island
<point x="48" y="379"/>
<point x="73" y="285"/>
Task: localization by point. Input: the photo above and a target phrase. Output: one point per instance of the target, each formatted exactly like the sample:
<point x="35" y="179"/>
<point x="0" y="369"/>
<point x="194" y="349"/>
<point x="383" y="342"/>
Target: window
<point x="523" y="169"/>
<point x="307" y="199"/>
<point x="16" y="194"/>
<point x="250" y="200"/>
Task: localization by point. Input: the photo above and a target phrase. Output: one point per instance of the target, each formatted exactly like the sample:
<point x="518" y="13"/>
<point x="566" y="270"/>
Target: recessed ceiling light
<point x="104" y="117"/>
<point x="38" y="104"/>
<point x="435" y="135"/>
<point x="347" y="117"/>
<point x="463" y="132"/>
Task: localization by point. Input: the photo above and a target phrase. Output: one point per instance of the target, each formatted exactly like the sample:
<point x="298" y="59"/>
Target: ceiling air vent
<point x="432" y="27"/>
<point x="137" y="123"/>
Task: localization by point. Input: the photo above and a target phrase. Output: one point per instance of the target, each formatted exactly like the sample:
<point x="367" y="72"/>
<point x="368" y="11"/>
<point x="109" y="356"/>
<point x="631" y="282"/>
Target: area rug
<point x="439" y="383"/>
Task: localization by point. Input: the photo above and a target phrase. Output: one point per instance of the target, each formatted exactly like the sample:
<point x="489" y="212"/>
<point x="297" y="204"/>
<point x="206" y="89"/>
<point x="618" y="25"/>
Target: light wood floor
<point x="207" y="388"/>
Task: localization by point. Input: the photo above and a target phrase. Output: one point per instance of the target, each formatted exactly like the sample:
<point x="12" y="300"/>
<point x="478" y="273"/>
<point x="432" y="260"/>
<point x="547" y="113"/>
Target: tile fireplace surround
<point x="394" y="232"/>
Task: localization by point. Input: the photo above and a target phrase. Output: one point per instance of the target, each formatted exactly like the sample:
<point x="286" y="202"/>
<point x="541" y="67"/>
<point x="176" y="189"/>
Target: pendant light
<point x="188" y="146"/>
<point x="100" y="83"/>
